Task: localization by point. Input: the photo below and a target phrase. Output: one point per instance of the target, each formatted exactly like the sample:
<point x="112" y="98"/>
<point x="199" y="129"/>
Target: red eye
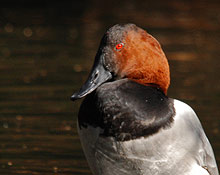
<point x="119" y="46"/>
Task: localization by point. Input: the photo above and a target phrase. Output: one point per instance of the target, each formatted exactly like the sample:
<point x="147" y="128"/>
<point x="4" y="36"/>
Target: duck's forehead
<point x="118" y="33"/>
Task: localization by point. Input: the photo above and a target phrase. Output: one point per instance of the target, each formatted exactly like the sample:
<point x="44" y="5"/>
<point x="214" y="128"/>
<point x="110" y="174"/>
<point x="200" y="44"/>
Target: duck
<point x="126" y="123"/>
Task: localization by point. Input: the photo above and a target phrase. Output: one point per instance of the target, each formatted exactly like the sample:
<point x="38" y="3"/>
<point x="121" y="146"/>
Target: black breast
<point x="127" y="110"/>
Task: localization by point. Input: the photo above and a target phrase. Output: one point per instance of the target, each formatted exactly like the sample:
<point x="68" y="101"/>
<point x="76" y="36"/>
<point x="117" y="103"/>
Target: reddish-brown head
<point x="139" y="57"/>
<point x="127" y="51"/>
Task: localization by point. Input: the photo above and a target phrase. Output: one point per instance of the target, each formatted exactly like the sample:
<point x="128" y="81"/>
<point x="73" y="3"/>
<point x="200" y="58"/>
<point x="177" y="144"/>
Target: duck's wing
<point x="210" y="162"/>
<point x="205" y="156"/>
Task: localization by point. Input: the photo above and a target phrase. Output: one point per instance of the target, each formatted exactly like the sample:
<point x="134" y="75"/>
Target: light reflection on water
<point x="44" y="58"/>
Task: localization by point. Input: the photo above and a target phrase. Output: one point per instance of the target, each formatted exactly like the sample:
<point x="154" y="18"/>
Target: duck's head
<point x="127" y="51"/>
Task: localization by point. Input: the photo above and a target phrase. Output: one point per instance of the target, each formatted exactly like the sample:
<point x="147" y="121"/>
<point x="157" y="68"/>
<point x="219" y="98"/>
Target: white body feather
<point x="182" y="149"/>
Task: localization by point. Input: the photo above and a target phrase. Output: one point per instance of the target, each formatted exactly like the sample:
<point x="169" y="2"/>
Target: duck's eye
<point x="119" y="46"/>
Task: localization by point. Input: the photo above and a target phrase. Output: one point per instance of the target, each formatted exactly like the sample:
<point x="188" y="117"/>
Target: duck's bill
<point x="98" y="76"/>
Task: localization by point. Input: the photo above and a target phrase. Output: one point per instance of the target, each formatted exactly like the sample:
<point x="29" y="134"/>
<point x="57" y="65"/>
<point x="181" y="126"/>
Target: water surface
<point x="47" y="50"/>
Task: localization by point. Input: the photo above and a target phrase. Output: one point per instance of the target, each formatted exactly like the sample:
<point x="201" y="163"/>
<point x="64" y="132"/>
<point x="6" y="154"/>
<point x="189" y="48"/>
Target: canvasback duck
<point x="127" y="124"/>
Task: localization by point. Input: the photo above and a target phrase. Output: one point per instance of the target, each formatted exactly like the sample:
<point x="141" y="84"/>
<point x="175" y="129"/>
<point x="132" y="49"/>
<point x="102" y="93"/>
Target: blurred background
<point x="47" y="49"/>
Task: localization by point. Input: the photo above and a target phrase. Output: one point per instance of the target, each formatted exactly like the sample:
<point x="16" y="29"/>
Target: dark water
<point x="47" y="49"/>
